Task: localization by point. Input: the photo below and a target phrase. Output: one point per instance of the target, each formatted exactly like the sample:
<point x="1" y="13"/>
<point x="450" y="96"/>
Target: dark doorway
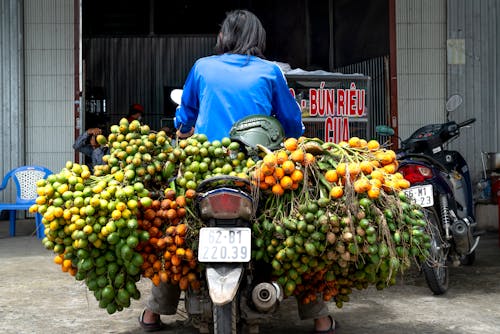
<point x="135" y="51"/>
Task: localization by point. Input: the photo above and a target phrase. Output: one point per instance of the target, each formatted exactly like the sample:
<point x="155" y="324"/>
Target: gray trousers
<point x="164" y="299"/>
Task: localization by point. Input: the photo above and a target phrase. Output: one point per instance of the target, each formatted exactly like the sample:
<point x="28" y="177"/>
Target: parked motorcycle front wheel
<point x="435" y="268"/>
<point x="226" y="318"/>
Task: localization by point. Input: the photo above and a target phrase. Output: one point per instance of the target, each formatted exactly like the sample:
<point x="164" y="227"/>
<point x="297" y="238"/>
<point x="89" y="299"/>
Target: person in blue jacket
<point x="220" y="90"/>
<point x="235" y="83"/>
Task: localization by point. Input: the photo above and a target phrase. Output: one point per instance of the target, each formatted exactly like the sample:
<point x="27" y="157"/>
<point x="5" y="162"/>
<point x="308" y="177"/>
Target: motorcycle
<point x="237" y="293"/>
<point x="441" y="184"/>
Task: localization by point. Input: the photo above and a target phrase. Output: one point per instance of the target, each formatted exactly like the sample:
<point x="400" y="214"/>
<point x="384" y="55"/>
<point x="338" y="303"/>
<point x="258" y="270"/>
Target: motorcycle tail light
<point x="415" y="173"/>
<point x="226" y="204"/>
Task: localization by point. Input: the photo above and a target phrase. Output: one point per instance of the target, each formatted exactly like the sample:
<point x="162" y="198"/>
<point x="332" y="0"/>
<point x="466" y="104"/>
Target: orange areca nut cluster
<point x="66" y="264"/>
<point x="283" y="169"/>
<point x="167" y="256"/>
<point x="366" y="166"/>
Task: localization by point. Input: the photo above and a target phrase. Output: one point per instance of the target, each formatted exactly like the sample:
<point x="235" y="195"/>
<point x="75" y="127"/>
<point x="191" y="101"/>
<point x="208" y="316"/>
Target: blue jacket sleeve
<point x="286" y="109"/>
<point x="187" y="113"/>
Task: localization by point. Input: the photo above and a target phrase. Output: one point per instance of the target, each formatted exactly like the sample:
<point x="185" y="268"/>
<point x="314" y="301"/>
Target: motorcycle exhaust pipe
<point x="266" y="296"/>
<point x="462" y="236"/>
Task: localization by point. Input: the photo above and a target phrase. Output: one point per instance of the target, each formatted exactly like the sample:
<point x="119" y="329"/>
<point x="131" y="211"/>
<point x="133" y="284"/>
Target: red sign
<point x="337" y="107"/>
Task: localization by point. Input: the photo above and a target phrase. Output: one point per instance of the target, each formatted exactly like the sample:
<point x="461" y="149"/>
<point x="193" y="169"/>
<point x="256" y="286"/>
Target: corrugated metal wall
<point x="11" y="91"/>
<point x="137" y="69"/>
<point x="376" y="69"/>
<point x="474" y="73"/>
<point x="445" y="48"/>
<point x="421" y="63"/>
<point x="49" y="82"/>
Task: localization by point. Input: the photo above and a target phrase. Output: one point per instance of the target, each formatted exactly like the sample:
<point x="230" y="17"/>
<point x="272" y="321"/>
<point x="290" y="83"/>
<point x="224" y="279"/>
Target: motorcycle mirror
<point x="176" y="96"/>
<point x="453" y="102"/>
<point x="384" y="130"/>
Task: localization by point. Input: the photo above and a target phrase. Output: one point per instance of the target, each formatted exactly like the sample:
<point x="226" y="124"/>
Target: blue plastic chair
<point x="25" y="179"/>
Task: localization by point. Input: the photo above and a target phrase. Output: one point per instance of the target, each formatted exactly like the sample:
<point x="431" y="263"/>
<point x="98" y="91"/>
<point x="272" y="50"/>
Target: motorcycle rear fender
<point x="223" y="281"/>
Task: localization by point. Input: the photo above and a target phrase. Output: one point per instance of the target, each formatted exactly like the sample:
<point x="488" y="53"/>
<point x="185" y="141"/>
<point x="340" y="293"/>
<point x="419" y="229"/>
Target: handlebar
<point x="467" y="122"/>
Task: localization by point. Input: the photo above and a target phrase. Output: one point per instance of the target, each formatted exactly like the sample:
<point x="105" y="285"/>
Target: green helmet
<point x="258" y="129"/>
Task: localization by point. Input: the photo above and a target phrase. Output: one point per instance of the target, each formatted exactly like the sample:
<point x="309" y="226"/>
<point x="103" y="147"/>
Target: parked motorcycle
<point x="441" y="184"/>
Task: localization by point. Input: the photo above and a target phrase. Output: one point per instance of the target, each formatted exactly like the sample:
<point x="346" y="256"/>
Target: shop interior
<point x="138" y="51"/>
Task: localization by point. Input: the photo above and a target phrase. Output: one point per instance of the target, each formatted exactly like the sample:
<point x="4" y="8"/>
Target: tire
<point x="435" y="269"/>
<point x="226" y="318"/>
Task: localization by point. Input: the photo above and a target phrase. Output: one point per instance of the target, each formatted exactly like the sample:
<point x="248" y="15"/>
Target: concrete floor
<point x="36" y="297"/>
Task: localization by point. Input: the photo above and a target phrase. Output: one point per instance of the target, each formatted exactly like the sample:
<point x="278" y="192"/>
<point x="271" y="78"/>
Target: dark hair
<point x="241" y="33"/>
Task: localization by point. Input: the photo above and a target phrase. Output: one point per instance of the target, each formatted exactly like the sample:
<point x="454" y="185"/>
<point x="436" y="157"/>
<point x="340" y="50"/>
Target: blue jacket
<point x="222" y="89"/>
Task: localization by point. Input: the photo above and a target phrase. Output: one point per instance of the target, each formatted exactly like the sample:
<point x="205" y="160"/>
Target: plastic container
<point x="493" y="161"/>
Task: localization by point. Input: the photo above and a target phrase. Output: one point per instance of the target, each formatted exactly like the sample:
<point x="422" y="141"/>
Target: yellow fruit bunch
<point x="364" y="165"/>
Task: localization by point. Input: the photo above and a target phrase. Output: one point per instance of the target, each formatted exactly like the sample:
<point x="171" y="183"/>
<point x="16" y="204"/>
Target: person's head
<point x="241" y="33"/>
<point x="94" y="132"/>
<point x="135" y="111"/>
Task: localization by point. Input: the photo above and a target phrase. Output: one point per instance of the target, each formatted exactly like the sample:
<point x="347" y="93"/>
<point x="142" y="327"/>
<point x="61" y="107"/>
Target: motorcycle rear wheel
<point x="226" y="318"/>
<point x="435" y="269"/>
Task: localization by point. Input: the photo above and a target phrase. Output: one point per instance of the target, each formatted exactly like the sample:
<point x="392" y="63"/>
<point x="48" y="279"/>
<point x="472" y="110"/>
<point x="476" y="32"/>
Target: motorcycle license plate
<point x="218" y="244"/>
<point x="421" y="195"/>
